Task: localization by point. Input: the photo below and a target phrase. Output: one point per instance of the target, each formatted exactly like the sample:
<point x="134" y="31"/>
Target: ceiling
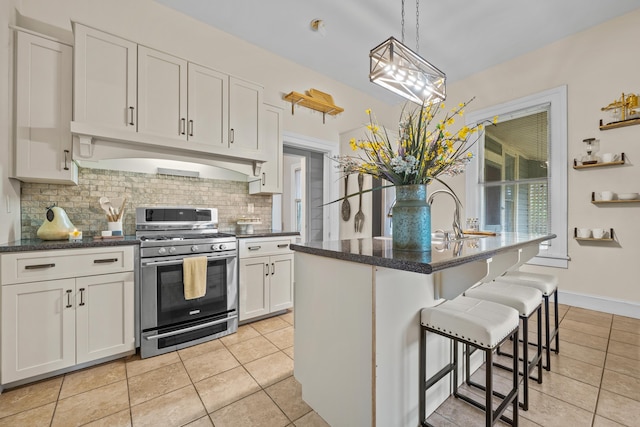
<point x="460" y="37"/>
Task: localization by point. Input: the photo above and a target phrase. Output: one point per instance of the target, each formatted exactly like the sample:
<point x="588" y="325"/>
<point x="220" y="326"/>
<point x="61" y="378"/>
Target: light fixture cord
<point x="402" y="21"/>
<point x="417" y="26"/>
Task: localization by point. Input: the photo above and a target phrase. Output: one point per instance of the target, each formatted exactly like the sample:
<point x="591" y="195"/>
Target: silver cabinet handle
<point x="65" y="160"/>
<point x="232" y="136"/>
<point x="266" y="269"/>
<point x="273" y="269"/>
<point x="105" y="260"/>
<point x="189" y="329"/>
<point x="182" y="126"/>
<point x="38" y="266"/>
<point x="254" y="248"/>
<point x="283" y="245"/>
<point x="131" y="109"/>
<point x="190" y="127"/>
<point x="69" y="298"/>
<point x="81" y="296"/>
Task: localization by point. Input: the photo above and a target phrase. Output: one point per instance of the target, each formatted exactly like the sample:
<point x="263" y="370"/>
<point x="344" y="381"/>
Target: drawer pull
<point x="266" y="269"/>
<point x="69" y="298"/>
<point x="283" y="245"/>
<point x="273" y="269"/>
<point x="105" y="260"/>
<point x="253" y="248"/>
<point x="38" y="266"/>
<point x="81" y="296"/>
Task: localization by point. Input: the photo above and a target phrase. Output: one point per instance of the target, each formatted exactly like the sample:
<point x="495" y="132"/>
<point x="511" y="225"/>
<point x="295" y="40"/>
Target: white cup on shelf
<point x="584" y="233"/>
<point x="599" y="233"/>
<point x="607" y="196"/>
<point x="609" y="157"/>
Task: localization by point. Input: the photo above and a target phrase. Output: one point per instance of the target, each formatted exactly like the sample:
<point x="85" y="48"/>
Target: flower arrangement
<point x="425" y="148"/>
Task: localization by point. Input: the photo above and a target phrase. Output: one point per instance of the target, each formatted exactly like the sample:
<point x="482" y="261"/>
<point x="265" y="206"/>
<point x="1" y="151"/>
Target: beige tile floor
<point x="246" y="379"/>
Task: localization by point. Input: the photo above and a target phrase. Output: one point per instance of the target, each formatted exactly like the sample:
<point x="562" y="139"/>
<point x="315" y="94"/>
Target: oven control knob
<point x="172" y="250"/>
<point x="162" y="251"/>
<point x="194" y="248"/>
<point x="214" y="247"/>
<point x="222" y="246"/>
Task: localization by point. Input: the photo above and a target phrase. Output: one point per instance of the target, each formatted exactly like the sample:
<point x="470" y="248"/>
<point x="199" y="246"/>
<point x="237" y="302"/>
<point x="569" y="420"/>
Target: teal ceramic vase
<point x="411" y="219"/>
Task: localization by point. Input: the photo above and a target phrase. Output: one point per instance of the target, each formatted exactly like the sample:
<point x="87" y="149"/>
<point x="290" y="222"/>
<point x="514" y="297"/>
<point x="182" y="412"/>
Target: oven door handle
<point x="181" y="261"/>
<point x="191" y="328"/>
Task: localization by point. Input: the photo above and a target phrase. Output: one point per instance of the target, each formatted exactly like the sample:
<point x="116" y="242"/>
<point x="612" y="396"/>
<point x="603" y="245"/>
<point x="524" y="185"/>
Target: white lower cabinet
<point x="49" y="325"/>
<point x="266" y="276"/>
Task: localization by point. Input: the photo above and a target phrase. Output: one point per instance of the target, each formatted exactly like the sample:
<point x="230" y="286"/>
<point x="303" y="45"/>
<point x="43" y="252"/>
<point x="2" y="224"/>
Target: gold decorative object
<point x="315" y="100"/>
<point x="627" y="105"/>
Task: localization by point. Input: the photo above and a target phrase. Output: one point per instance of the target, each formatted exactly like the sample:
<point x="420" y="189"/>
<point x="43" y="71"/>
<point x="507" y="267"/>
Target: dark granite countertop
<point x="87" y="242"/>
<point x="379" y="251"/>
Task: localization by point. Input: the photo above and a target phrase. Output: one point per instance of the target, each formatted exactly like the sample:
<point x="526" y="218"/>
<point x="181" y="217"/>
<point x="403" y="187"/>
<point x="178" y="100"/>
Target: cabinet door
<point x="105" y="79"/>
<point x="245" y="105"/>
<point x="38" y="328"/>
<point x="281" y="282"/>
<point x="104" y="316"/>
<point x="253" y="284"/>
<point x="162" y="94"/>
<point x="271" y="173"/>
<point x="43" y="110"/>
<point x="207" y="110"/>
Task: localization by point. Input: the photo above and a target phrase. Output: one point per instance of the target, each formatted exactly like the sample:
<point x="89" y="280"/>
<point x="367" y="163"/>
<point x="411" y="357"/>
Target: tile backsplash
<point x="81" y="202"/>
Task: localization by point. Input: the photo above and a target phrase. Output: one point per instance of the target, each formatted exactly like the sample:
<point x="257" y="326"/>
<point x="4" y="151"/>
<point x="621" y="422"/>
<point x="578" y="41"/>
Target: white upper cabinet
<point x="208" y="121"/>
<point x="160" y="100"/>
<point x="245" y="104"/>
<point x="43" y="110"/>
<point x="271" y="172"/>
<point x="105" y="79"/>
<point x="162" y="94"/>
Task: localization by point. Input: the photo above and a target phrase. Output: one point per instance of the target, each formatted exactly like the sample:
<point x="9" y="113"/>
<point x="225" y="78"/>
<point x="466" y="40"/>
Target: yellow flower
<point x="495" y="120"/>
<point x="450" y="121"/>
<point x="353" y="144"/>
<point x="368" y="111"/>
<point x="462" y="133"/>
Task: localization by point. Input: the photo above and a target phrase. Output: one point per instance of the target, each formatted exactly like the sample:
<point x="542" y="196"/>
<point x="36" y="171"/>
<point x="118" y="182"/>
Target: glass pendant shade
<point x="399" y="69"/>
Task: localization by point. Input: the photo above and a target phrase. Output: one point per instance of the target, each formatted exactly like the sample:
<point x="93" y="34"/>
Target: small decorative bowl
<point x="627" y="196"/>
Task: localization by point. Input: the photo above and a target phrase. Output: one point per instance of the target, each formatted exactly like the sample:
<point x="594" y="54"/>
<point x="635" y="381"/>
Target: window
<point x="520" y="171"/>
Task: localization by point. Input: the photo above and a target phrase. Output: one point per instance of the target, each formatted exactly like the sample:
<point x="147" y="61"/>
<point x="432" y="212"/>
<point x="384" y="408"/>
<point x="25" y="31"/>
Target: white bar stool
<point x="483" y="325"/>
<point x="548" y="285"/>
<point x="526" y="301"/>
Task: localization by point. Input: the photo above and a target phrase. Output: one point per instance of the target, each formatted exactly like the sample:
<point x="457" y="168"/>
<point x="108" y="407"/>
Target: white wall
<point x="597" y="65"/>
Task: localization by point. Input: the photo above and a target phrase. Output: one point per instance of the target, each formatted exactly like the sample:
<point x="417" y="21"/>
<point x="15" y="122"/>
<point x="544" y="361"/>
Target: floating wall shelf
<point x="315" y="100"/>
<point x="621" y="124"/>
<point x="611" y="237"/>
<point x="576" y="164"/>
<point x="603" y="202"/>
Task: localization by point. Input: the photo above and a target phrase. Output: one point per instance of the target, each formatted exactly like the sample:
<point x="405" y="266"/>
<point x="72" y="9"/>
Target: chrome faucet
<point x="456" y="214"/>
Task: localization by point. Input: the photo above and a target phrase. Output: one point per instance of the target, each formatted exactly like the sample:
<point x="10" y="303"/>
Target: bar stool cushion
<point x="522" y="298"/>
<point x="483" y="323"/>
<point x="545" y="283"/>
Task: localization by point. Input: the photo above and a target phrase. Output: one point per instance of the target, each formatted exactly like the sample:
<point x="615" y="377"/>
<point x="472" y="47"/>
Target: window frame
<point x="556" y="253"/>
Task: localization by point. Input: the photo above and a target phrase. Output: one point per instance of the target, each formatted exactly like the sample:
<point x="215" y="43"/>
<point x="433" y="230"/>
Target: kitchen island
<point x="357" y="309"/>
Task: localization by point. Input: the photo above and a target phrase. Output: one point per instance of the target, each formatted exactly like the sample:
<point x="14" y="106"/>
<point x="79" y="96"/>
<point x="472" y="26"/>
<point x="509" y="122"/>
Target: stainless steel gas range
<point x="168" y="320"/>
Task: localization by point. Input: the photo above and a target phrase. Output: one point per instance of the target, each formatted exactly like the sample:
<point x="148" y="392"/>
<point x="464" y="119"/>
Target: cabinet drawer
<point x="266" y="246"/>
<point x="48" y="265"/>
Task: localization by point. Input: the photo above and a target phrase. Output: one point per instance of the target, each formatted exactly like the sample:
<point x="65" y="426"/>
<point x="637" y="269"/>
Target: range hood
<point x="93" y="143"/>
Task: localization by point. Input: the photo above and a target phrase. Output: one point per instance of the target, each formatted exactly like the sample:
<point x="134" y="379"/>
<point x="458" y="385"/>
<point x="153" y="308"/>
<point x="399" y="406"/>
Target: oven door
<point x="169" y="321"/>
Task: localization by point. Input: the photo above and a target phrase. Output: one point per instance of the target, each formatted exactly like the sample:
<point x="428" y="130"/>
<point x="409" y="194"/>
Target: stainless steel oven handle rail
<point x="191" y="328"/>
<point x="181" y="261"/>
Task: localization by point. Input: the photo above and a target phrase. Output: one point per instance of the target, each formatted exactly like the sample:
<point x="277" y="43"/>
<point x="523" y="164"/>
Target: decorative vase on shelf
<point x="411" y="219"/>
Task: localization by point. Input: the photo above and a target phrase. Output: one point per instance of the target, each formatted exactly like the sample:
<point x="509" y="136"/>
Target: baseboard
<point x="592" y="302"/>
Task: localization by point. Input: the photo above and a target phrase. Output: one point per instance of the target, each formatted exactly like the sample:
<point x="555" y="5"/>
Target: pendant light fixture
<point x="397" y="68"/>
